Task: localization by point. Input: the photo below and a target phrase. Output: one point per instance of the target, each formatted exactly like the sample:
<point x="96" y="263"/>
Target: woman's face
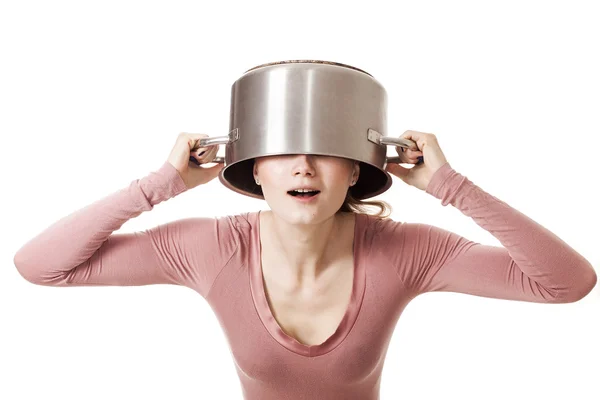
<point x="280" y="174"/>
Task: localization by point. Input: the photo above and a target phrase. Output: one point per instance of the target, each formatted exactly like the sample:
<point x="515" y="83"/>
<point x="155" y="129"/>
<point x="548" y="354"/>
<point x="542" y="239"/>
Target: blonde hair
<point x="357" y="206"/>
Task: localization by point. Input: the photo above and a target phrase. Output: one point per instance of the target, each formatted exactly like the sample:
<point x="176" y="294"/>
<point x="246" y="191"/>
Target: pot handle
<point x="217" y="140"/>
<point x="378" y="138"/>
<point x="373" y="136"/>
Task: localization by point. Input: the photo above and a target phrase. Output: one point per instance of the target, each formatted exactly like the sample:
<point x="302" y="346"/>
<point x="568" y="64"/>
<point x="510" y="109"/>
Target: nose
<point x="303" y="164"/>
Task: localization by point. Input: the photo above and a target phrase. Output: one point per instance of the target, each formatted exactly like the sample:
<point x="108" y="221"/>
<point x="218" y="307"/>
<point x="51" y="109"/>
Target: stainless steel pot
<point x="307" y="107"/>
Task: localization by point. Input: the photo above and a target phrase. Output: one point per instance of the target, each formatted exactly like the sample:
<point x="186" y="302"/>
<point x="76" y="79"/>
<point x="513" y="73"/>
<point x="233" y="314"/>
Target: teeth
<point x="304" y="190"/>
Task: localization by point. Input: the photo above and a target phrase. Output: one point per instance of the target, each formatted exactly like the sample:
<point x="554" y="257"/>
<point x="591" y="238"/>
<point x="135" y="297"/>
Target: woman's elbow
<point x="29" y="272"/>
<point x="588" y="280"/>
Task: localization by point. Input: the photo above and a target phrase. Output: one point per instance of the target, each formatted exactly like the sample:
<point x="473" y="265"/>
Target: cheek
<point x="274" y="176"/>
<point x="342" y="175"/>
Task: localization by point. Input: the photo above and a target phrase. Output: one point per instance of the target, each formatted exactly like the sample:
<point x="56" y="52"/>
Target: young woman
<point x="308" y="293"/>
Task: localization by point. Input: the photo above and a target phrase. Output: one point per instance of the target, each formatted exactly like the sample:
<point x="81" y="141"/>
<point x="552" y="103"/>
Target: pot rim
<point x="308" y="61"/>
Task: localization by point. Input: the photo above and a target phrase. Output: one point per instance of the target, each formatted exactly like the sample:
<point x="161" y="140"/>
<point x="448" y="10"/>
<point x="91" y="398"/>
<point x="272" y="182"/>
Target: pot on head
<point x="307" y="107"/>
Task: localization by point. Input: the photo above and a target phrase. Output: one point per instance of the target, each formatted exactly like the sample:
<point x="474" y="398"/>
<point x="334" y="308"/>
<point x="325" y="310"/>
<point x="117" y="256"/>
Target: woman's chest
<point x="263" y="353"/>
<point x="311" y="314"/>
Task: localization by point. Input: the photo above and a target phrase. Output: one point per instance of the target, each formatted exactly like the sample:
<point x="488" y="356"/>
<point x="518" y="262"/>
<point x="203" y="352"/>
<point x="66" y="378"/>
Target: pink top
<point x="394" y="262"/>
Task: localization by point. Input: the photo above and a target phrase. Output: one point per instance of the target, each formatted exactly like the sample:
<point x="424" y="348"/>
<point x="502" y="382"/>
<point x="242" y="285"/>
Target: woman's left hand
<point x="428" y="149"/>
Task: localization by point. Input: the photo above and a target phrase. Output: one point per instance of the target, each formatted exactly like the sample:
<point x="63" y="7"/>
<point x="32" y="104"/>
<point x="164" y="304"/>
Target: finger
<point x="405" y="148"/>
<point x="209" y="154"/>
<point x="194" y="139"/>
<point x="197" y="149"/>
<point x="198" y="155"/>
<point x="209" y="157"/>
<point x="410" y="135"/>
<point x="409" y="156"/>
<point x="415" y="136"/>
<point x="206" y="153"/>
<point x="194" y="161"/>
<point x="413" y="153"/>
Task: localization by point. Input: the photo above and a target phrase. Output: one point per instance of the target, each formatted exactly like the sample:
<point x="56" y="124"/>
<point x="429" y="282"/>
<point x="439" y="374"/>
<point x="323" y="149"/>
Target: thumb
<point x="207" y="174"/>
<point x="215" y="169"/>
<point x="398" y="171"/>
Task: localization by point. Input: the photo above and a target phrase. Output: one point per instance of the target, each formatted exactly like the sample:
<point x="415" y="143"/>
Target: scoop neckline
<point x="261" y="303"/>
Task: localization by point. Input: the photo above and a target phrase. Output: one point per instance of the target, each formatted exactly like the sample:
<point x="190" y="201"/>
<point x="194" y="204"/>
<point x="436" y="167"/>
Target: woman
<point x="309" y="292"/>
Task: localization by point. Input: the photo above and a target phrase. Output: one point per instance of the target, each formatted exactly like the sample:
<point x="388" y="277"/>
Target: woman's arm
<point x="534" y="265"/>
<point x="81" y="249"/>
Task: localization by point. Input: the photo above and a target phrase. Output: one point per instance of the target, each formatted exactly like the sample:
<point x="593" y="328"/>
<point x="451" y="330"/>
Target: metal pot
<point x="307" y="107"/>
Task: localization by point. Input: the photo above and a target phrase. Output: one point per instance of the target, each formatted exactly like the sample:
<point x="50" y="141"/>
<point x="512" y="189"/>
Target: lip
<point x="305" y="199"/>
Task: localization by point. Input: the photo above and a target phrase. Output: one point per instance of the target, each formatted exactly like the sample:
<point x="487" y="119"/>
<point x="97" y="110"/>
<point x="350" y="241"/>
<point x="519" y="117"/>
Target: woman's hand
<point x="187" y="157"/>
<point x="428" y="149"/>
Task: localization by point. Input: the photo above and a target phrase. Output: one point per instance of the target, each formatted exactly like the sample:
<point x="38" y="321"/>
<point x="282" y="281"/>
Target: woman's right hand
<point x="186" y="147"/>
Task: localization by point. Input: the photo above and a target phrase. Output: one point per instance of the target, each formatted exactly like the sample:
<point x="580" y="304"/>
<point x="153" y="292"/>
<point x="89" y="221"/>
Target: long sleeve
<point x="533" y="265"/>
<point x="81" y="248"/>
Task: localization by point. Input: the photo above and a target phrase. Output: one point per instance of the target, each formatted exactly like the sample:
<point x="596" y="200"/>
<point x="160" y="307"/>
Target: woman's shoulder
<point x="243" y="222"/>
<point x="221" y="227"/>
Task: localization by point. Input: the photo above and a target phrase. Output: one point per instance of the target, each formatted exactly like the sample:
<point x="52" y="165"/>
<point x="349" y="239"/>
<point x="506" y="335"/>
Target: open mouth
<point x="303" y="195"/>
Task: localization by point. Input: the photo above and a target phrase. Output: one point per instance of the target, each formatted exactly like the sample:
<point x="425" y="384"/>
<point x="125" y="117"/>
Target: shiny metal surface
<point x="307" y="107"/>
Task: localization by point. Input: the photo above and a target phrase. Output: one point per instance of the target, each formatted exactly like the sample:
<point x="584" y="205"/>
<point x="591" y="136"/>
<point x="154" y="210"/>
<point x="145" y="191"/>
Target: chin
<point x="305" y="215"/>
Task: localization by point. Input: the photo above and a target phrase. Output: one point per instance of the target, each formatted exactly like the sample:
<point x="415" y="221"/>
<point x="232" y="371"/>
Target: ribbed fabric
<point x="393" y="262"/>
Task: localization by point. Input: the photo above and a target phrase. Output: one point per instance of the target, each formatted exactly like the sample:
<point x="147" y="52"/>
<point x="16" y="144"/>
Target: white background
<point x="93" y="95"/>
